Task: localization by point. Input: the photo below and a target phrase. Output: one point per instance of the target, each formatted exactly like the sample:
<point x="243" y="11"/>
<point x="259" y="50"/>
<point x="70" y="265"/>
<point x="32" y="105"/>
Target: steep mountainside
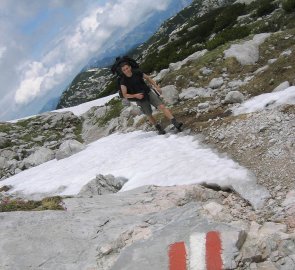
<point x="91" y="89"/>
<point x="87" y="86"/>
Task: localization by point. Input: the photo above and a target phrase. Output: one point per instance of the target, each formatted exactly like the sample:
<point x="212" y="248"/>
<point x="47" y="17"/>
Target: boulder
<point x="69" y="148"/>
<point x="132" y="110"/>
<point x="192" y="92"/>
<point x="247" y="53"/>
<point x="206" y="71"/>
<point x="203" y="106"/>
<point x="170" y="94"/>
<point x="162" y="74"/>
<point x="235" y="84"/>
<point x="234" y="97"/>
<point x="3" y="142"/>
<point x="192" y="57"/>
<point x="38" y="157"/>
<point x="282" y="86"/>
<point x="216" y="83"/>
<point x="8" y="154"/>
<point x="3" y="163"/>
<point x="102" y="185"/>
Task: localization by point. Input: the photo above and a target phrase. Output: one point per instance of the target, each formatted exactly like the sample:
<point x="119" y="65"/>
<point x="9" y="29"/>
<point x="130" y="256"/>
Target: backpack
<point x="116" y="70"/>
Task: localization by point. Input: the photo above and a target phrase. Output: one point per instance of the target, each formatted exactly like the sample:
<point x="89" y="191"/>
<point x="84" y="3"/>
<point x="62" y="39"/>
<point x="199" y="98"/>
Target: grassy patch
<point x="114" y="108"/>
<point x="36" y="121"/>
<point x="281" y="70"/>
<point x="51" y="203"/>
<point x="5" y="127"/>
<point x="4" y="188"/>
<point x="78" y="132"/>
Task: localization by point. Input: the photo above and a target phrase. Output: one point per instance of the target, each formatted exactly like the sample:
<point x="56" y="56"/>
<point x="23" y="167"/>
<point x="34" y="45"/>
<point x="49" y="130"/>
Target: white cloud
<point x="2" y="51"/>
<point x="71" y="51"/>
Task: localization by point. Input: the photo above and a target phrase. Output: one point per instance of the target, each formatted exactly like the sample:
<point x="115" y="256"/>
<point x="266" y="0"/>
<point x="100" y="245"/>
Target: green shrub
<point x="51" y="203"/>
<point x="265" y="7"/>
<point x="228" y="35"/>
<point x="177" y="50"/>
<point x="115" y="107"/>
<point x="215" y="42"/>
<point x="228" y="16"/>
<point x="289" y="5"/>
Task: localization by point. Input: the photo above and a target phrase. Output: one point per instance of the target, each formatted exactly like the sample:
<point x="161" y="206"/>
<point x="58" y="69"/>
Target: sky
<point x="174" y="159"/>
<point x="44" y="44"/>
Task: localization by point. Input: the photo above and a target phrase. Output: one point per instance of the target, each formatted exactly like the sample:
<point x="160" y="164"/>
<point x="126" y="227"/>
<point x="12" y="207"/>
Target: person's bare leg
<point x="170" y="116"/>
<point x="166" y="111"/>
<point x="152" y="119"/>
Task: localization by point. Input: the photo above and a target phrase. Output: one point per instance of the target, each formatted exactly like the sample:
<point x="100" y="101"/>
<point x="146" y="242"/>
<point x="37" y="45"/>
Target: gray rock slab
<point x="97" y="233"/>
<point x="153" y="252"/>
<point x="39" y="156"/>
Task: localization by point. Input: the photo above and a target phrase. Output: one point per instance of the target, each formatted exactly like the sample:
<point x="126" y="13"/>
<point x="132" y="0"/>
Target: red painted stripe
<point x="177" y="256"/>
<point x="213" y="251"/>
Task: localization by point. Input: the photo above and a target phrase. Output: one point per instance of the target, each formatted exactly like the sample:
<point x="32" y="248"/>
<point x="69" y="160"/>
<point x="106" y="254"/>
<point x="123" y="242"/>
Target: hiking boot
<point x="161" y="131"/>
<point x="178" y="125"/>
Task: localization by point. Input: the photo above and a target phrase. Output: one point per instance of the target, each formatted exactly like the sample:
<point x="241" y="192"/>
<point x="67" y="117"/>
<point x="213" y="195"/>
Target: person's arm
<point x="126" y="95"/>
<point x="152" y="82"/>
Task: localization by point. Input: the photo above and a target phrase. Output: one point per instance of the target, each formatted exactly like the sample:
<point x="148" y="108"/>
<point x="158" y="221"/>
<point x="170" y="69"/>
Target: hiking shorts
<point x="145" y="105"/>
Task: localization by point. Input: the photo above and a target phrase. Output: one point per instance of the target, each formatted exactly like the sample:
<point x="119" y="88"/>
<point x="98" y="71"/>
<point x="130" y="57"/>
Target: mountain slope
<point x="70" y="97"/>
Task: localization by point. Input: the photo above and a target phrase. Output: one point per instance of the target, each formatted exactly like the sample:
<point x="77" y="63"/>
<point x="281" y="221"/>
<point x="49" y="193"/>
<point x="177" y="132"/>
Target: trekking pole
<point x="157" y="92"/>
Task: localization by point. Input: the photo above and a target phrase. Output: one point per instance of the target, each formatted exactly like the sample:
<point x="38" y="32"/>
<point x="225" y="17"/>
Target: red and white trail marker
<point x="205" y="253"/>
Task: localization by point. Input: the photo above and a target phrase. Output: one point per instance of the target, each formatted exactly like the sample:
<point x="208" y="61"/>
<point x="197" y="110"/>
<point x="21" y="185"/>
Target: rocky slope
<point x="123" y="230"/>
<point x="85" y="87"/>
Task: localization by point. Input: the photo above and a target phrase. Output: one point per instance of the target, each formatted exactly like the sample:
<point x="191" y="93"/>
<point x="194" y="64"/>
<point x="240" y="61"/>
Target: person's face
<point x="127" y="70"/>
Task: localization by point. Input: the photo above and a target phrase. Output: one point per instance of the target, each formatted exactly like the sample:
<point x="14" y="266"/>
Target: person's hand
<point x="139" y="96"/>
<point x="158" y="88"/>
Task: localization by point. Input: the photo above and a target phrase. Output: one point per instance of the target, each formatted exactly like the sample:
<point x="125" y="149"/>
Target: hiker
<point x="134" y="88"/>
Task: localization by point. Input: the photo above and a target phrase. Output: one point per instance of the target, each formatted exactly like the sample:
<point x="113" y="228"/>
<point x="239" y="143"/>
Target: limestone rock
<point x="247" y="53"/>
<point x="69" y="148"/>
<point x="131" y="111"/>
<point x="102" y="185"/>
<point x="192" y="92"/>
<point x="38" y="157"/>
<point x="216" y="83"/>
<point x="170" y="94"/>
<point x="161" y="74"/>
<point x="213" y="208"/>
<point x="3" y="163"/>
<point x="282" y="86"/>
<point x="3" y="142"/>
<point x="203" y="106"/>
<point x="234" y="97"/>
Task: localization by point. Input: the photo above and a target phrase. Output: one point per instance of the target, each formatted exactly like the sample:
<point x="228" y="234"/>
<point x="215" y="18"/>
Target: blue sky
<point x="44" y="44"/>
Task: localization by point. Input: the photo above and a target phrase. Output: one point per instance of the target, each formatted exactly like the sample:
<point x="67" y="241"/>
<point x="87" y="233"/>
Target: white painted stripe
<point x="197" y="251"/>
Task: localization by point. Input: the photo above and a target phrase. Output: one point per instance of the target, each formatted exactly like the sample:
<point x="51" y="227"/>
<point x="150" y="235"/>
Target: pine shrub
<point x="228" y="16"/>
<point x="228" y="35"/>
<point x="289" y="5"/>
<point x="265" y="7"/>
